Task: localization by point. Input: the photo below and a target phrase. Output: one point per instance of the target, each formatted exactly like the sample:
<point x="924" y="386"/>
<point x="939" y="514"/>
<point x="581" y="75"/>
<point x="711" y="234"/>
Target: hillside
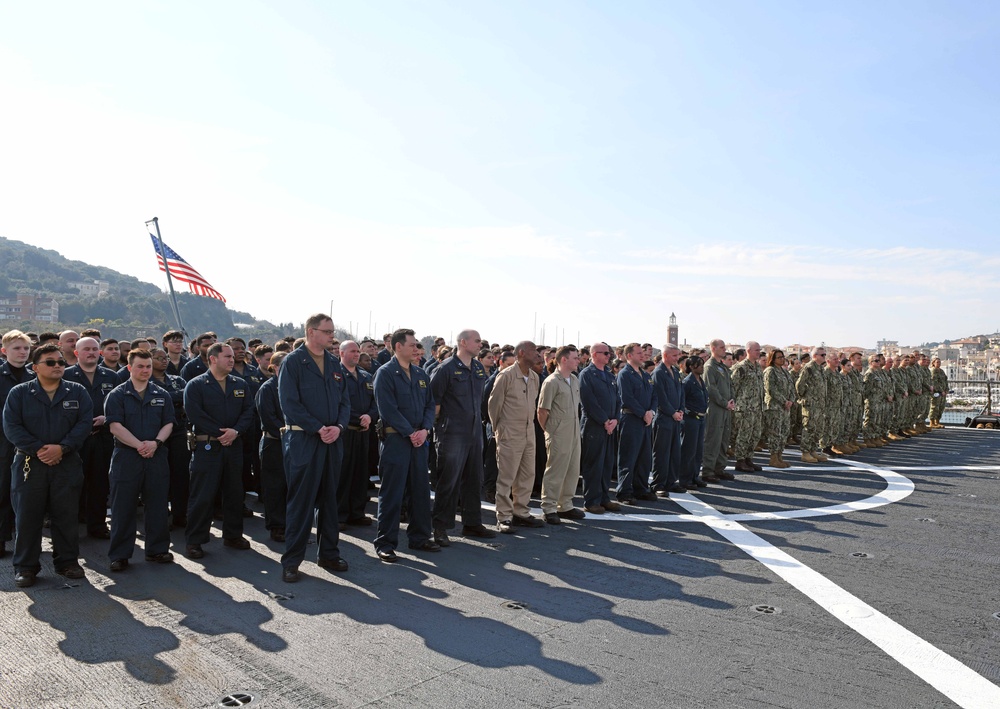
<point x="131" y="308"/>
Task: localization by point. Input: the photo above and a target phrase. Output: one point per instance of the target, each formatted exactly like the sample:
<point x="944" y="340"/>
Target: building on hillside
<point x="91" y="289"/>
<point x="29" y="307"/>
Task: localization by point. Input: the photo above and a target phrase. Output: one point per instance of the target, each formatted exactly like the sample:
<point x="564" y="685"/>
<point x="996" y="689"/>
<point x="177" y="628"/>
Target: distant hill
<point x="131" y="308"/>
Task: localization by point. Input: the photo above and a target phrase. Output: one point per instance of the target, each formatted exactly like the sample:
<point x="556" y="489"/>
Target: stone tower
<point x="672" y="330"/>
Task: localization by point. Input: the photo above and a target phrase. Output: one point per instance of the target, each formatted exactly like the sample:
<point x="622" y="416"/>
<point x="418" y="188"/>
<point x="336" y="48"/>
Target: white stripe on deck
<point x="943" y="672"/>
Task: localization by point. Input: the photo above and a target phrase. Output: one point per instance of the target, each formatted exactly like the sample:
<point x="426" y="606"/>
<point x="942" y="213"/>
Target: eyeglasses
<point x="325" y="332"/>
<point x="606" y="354"/>
<point x="52" y="362"/>
<point x="818" y="354"/>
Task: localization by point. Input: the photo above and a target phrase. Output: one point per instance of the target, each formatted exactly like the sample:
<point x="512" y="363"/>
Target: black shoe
<point x="725" y="476"/>
<point x="163" y="558"/>
<point x="363" y="521"/>
<point x="648" y="496"/>
<point x="73" y="571"/>
<point x="247" y="512"/>
<point x="479" y="531"/>
<point x="506" y="527"/>
<point x="572" y="514"/>
<point x="627" y="501"/>
<point x="426" y="546"/>
<point x="278" y="534"/>
<point x="23" y="579"/>
<point x="756" y="468"/>
<point x="552" y="518"/>
<point x="700" y="483"/>
<point x="662" y="493"/>
<point x="337" y="564"/>
<point x="236" y="543"/>
<point x="441" y="538"/>
<point x="743" y="466"/>
<point x="194" y="551"/>
<point x="529" y="521"/>
<point x="677" y="487"/>
<point x="290" y="574"/>
<point x="99" y="533"/>
<point x="387" y="555"/>
<point x="119" y="564"/>
<point x="691" y="486"/>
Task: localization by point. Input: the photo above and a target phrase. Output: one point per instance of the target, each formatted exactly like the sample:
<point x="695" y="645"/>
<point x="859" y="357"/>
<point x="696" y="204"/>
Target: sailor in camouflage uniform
<point x="834" y="404"/>
<point x="778" y="397"/>
<point x="748" y="392"/>
<point x="939" y="380"/>
<point x="811" y="391"/>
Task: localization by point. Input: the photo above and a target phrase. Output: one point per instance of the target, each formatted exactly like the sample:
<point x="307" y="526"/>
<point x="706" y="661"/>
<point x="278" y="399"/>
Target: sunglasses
<point x="52" y="362"/>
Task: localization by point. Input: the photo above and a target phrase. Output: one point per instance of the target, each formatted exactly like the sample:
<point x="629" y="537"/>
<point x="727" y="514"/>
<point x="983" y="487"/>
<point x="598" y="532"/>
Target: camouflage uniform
<point x="847" y="409"/>
<point x="928" y="386"/>
<point x="748" y="393"/>
<point x="859" y="404"/>
<point x="811" y="391"/>
<point x="777" y="390"/>
<point x="834" y="402"/>
<point x="916" y="389"/>
<point x="940" y="382"/>
<point x="795" y="413"/>
<point x="873" y="393"/>
<point x="901" y="401"/>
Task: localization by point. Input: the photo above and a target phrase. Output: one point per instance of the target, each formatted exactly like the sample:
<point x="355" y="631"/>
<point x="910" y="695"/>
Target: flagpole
<point x="170" y="284"/>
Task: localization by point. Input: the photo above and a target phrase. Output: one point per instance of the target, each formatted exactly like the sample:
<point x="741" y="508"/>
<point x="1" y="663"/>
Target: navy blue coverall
<point x="310" y="400"/>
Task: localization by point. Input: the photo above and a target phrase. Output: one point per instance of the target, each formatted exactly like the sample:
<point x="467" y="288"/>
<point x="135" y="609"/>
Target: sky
<point x="558" y="171"/>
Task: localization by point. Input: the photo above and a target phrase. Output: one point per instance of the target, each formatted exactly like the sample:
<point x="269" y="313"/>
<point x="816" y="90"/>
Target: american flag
<point x="182" y="271"/>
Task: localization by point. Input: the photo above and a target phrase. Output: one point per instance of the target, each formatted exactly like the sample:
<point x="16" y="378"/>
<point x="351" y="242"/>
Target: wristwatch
<point x="159" y="443"/>
<point x="66" y="450"/>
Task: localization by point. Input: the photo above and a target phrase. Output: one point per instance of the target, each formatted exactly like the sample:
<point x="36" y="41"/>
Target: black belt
<point x="265" y="434"/>
<point x="352" y="427"/>
<point x="693" y="415"/>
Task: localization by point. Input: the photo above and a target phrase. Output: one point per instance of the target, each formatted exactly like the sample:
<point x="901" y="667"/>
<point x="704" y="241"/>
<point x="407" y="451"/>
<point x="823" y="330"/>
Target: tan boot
<point x="821" y="457"/>
<point x="894" y="437"/>
<point x="781" y="459"/>
<point x="854" y="447"/>
<point x="776" y="461"/>
<point x="808" y="457"/>
<point x="864" y="443"/>
<point x="837" y="450"/>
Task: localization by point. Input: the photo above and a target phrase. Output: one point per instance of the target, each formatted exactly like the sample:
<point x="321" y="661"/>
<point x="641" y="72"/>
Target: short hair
<point x="646" y="345"/>
<point x="335" y="342"/>
<point x="254" y="342"/>
<point x="290" y="339"/>
<point x="585" y="349"/>
<point x="315" y="320"/>
<point x="298" y="342"/>
<point x="717" y="341"/>
<point x="399" y="337"/>
<point x="523" y="347"/>
<point x="91" y="332"/>
<point x="13" y="335"/>
<point x="215" y="350"/>
<point x="740" y="352"/>
<point x="136" y="341"/>
<point x="484" y="352"/>
<point x="171" y="335"/>
<point x="152" y="342"/>
<point x="630" y="348"/>
<point x="282" y="346"/>
<point x="204" y="336"/>
<point x="231" y="340"/>
<point x="108" y="341"/>
<point x="873" y="358"/>
<point x="139" y="354"/>
<point x="46" y="336"/>
<point x="262" y="350"/>
<point x="387" y="336"/>
<point x="44" y="350"/>
<point x="125" y="344"/>
<point x="564" y="352"/>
